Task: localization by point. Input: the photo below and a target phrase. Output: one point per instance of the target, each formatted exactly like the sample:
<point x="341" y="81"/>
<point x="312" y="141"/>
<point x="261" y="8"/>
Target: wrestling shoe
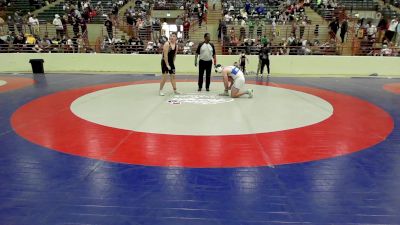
<point x="250" y="92"/>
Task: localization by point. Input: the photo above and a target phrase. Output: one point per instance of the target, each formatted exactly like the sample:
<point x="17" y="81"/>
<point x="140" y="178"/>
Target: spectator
<point x="243" y="15"/>
<point x="58" y="26"/>
<point x="178" y="23"/>
<point x="371" y="31"/>
<point x="29" y="16"/>
<point x="247" y="7"/>
<point x="18" y="22"/>
<point x="242" y="34"/>
<point x="392" y="29"/>
<point x="248" y="43"/>
<point x="398" y="36"/>
<point x="1" y="24"/>
<point x="260" y="27"/>
<point x="19" y="42"/>
<point x="130" y="21"/>
<point x="386" y="51"/>
<point x="274" y="33"/>
<point x="219" y="30"/>
<point x="114" y="12"/>
<point x="200" y="16"/>
<point x="186" y="28"/>
<point x="34" y="24"/>
<point x="316" y="31"/>
<point x="156" y="29"/>
<point x="334" y="26"/>
<point x="75" y="25"/>
<point x="381" y="29"/>
<point x="83" y="25"/>
<point x="232" y="32"/>
<point x="250" y="24"/>
<point x="228" y="18"/>
<point x="302" y="27"/>
<point x="264" y="40"/>
<point x="294" y="27"/>
<point x="243" y="59"/>
<point x="80" y="43"/>
<point x="305" y="47"/>
<point x="64" y="20"/>
<point x="141" y="28"/>
<point x="109" y="27"/>
<point x="343" y="29"/>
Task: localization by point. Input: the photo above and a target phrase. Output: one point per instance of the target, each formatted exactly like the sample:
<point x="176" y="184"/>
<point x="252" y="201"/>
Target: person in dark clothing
<point x="382" y="27"/>
<point x="224" y="29"/>
<point x="343" y="29"/>
<point x="18" y="20"/>
<point x="109" y="27"/>
<point x="219" y="30"/>
<point x="263" y="57"/>
<point x="130" y="22"/>
<point x="206" y="50"/>
<point x="334" y="26"/>
<point x="168" y="62"/>
<point x="186" y="28"/>
<point x="200" y="16"/>
<point x="83" y="25"/>
<point x="242" y="62"/>
<point x="64" y="21"/>
<point x="316" y="31"/>
<point x="75" y="25"/>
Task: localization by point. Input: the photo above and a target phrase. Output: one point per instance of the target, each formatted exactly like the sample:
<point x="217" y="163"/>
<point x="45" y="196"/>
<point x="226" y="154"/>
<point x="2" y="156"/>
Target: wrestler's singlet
<point x="235" y="72"/>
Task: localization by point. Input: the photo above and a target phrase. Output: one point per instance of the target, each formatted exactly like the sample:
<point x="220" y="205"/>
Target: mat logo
<point x="198" y="99"/>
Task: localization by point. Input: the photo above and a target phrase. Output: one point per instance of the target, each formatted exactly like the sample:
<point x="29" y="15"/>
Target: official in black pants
<point x="206" y="51"/>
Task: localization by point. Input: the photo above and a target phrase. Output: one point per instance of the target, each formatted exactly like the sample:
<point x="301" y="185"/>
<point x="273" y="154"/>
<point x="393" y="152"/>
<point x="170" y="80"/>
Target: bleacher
<point x="327" y="13"/>
<point x="359" y="4"/>
<point x="106" y="6"/>
<point x="270" y="9"/>
<point x="169" y="5"/>
<point x="395" y="3"/>
<point x="48" y="14"/>
<point x="387" y="12"/>
<point x="278" y="38"/>
<point x="25" y="6"/>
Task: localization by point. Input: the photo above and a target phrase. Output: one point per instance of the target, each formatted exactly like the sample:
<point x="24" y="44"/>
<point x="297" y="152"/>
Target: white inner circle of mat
<point x="140" y="108"/>
<point x="3" y="82"/>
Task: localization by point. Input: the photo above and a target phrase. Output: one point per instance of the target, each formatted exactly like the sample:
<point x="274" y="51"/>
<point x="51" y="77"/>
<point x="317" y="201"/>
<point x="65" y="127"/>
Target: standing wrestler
<point x="168" y="62"/>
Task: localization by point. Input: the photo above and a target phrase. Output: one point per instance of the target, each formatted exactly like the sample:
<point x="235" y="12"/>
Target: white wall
<point x="134" y="64"/>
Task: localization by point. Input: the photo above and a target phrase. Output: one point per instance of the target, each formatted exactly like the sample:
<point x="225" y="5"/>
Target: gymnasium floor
<point x="106" y="149"/>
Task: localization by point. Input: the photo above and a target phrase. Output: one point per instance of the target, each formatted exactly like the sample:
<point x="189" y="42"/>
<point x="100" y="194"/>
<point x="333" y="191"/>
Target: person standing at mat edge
<point x="206" y="50"/>
<point x="168" y="62"/>
<point x="263" y="56"/>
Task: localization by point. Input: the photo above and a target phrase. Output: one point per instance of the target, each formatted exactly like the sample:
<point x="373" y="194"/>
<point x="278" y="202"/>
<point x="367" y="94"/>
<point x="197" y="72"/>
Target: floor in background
<point x="106" y="149"/>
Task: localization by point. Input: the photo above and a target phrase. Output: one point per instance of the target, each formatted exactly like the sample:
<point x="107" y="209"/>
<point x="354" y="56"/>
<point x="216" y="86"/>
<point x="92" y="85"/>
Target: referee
<point x="206" y="51"/>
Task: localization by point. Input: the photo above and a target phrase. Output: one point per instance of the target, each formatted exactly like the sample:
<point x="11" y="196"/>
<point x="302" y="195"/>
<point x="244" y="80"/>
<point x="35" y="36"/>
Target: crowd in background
<point x="245" y="27"/>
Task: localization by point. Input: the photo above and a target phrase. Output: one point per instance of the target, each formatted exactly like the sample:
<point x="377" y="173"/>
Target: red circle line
<point x="14" y="83"/>
<point x="354" y="125"/>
